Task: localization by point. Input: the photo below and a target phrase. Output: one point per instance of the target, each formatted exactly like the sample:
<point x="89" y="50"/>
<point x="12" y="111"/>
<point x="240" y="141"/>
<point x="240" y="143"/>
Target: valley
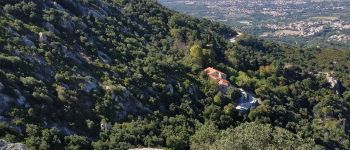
<point x="304" y="23"/>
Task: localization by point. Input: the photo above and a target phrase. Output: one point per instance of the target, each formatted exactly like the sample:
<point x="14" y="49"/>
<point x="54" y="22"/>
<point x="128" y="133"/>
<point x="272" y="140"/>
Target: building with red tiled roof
<point x="217" y="75"/>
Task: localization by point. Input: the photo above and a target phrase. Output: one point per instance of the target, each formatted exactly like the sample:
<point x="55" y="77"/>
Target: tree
<point x="204" y="136"/>
<point x="218" y="98"/>
<point x="196" y="52"/>
<point x="76" y="142"/>
<point x="255" y="136"/>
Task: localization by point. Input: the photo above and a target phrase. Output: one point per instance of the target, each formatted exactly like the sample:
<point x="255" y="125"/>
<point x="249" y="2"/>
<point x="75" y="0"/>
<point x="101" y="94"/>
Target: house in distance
<point x="247" y="99"/>
<point x="219" y="76"/>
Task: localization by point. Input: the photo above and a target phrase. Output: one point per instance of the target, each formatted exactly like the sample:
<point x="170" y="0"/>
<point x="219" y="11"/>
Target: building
<point x="219" y="76"/>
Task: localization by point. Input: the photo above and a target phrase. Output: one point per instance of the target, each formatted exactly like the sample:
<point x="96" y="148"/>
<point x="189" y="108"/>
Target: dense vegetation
<point x="67" y="67"/>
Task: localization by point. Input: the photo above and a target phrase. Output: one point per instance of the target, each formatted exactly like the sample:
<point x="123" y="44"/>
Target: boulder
<point x="58" y="6"/>
<point x="106" y="126"/>
<point x="42" y="37"/>
<point x="12" y="146"/>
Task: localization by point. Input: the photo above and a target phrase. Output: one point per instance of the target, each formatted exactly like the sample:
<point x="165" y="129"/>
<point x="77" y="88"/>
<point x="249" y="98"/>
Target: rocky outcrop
<point x="335" y="84"/>
<point x="127" y="102"/>
<point x="170" y="89"/>
<point x="104" y="57"/>
<point x="106" y="126"/>
<point x="4" y="102"/>
<point x="12" y="146"/>
<point x="42" y="37"/>
<point x="27" y="42"/>
<point x="67" y="24"/>
<point x="89" y="86"/>
<point x="51" y="28"/>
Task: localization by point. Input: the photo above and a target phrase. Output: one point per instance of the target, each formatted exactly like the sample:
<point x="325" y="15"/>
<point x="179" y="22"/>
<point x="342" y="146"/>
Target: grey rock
<point x="58" y="6"/>
<point x="96" y="14"/>
<point x="1" y="86"/>
<point x="89" y="86"/>
<point x="63" y="129"/>
<point x="66" y="24"/>
<point x="42" y="37"/>
<point x="4" y="102"/>
<point x="50" y="27"/>
<point x="170" y="89"/>
<point x="104" y="57"/>
<point x="27" y="42"/>
<point x="21" y="101"/>
<point x="10" y="31"/>
<point x="12" y="146"/>
<point x="106" y="126"/>
<point x="73" y="56"/>
<point x="64" y="49"/>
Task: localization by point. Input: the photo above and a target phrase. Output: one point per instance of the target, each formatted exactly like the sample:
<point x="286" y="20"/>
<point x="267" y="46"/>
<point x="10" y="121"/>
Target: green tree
<point x="204" y="136"/>
<point x="255" y="136"/>
<point x="76" y="142"/>
<point x="196" y="52"/>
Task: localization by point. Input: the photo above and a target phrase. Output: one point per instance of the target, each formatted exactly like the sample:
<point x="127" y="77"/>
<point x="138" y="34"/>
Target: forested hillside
<point x="120" y="74"/>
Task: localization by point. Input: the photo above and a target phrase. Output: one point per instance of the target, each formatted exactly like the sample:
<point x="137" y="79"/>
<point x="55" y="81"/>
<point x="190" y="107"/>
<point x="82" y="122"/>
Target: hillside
<point x="120" y="74"/>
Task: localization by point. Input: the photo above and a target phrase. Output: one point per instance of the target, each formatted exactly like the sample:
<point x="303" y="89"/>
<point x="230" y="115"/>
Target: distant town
<point x="307" y="22"/>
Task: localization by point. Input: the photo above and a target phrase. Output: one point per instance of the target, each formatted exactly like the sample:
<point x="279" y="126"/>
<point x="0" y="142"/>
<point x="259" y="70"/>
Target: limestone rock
<point x="58" y="6"/>
<point x="106" y="126"/>
<point x="42" y="37"/>
<point x="12" y="146"/>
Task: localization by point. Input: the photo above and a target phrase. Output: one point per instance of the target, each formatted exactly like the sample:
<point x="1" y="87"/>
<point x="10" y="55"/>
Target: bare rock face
<point x="1" y="86"/>
<point x="66" y="24"/>
<point x="170" y="89"/>
<point x="4" y="102"/>
<point x="104" y="57"/>
<point x="42" y="37"/>
<point x="27" y="42"/>
<point x="89" y="86"/>
<point x="12" y="146"/>
<point x="50" y="27"/>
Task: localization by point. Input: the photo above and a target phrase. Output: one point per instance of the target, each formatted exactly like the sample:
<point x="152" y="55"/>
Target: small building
<point x="219" y="76"/>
